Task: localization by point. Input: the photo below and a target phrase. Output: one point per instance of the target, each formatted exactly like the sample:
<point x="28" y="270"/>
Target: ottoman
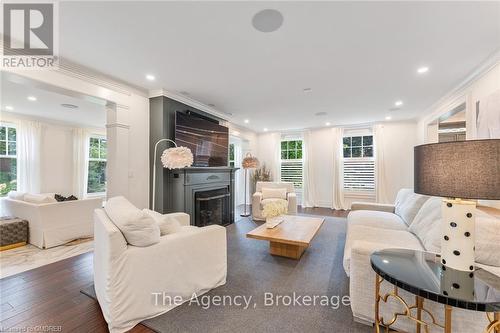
<point x="13" y="232"/>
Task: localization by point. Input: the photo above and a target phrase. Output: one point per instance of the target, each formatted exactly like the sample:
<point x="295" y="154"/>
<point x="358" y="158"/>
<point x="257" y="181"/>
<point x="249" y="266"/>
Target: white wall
<point x="400" y="139"/>
<point x="476" y="90"/>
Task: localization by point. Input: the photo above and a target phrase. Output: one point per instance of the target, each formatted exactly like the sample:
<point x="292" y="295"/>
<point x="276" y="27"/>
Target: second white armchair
<point x="272" y="191"/>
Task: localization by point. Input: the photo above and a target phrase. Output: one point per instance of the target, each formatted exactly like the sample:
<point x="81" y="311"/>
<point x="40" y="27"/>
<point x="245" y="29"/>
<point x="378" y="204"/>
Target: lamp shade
<point x="250" y="162"/>
<point x="176" y="158"/>
<point x="460" y="169"/>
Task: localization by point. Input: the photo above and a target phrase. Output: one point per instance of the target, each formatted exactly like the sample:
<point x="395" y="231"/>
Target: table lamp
<point x="460" y="172"/>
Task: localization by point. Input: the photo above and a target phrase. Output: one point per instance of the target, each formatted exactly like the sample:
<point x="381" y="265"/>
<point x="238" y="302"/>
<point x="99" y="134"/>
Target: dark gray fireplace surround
<point x="178" y="190"/>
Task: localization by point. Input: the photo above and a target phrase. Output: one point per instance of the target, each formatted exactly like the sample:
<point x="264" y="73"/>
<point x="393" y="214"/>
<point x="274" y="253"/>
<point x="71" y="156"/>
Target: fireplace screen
<point x="212" y="207"/>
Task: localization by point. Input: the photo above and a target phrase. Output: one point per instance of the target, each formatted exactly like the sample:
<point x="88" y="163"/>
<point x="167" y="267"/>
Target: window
<point x="231" y="155"/>
<point x="291" y="162"/>
<point x="96" y="182"/>
<point x="8" y="159"/>
<point x="359" y="164"/>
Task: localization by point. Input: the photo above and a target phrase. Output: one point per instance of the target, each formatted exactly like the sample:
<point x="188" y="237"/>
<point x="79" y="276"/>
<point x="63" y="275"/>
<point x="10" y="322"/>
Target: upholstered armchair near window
<point x="273" y="191"/>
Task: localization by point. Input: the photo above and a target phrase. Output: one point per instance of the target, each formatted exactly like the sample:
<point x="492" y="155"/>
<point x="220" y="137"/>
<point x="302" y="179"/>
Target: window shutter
<point x="291" y="171"/>
<point x="359" y="174"/>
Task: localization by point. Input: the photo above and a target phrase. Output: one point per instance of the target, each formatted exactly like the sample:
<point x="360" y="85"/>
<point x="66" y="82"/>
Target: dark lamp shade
<point x="250" y="162"/>
<point x="461" y="169"/>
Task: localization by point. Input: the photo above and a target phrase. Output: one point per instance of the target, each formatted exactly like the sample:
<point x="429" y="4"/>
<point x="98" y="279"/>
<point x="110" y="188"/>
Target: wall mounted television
<point x="208" y="140"/>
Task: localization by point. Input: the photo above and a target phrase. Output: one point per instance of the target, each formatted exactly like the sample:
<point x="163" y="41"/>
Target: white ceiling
<point x="358" y="57"/>
<point x="48" y="105"/>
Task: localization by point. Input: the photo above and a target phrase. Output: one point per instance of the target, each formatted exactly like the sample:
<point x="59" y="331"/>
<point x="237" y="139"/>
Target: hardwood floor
<point x="50" y="295"/>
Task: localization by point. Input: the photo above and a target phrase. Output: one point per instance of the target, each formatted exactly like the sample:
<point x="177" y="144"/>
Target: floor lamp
<point x="171" y="158"/>
<point x="249" y="162"/>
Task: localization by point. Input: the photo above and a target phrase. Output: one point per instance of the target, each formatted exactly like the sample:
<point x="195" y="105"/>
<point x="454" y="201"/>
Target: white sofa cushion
<point x="39" y="198"/>
<point x="487" y="240"/>
<point x="386" y="238"/>
<point x="138" y="228"/>
<point x="377" y="219"/>
<point x="408" y="204"/>
<point x="276" y="193"/>
<point x="168" y="224"/>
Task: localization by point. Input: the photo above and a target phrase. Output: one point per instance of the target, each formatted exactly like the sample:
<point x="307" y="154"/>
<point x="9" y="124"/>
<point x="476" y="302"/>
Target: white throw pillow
<point x="16" y="195"/>
<point x="138" y="228"/>
<point x="275" y="193"/>
<point x="487" y="240"/>
<point x="39" y="198"/>
<point x="168" y="224"/>
<point x="427" y="224"/>
<point x="408" y="205"/>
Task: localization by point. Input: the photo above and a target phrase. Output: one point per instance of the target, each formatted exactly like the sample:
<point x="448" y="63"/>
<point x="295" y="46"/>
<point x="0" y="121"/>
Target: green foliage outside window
<point x="231" y="155"/>
<point x="358" y="146"/>
<point x="8" y="159"/>
<point x="97" y="165"/>
<point x="291" y="150"/>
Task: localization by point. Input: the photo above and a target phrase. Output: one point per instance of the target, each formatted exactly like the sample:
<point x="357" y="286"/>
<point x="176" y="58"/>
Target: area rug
<point x="283" y="295"/>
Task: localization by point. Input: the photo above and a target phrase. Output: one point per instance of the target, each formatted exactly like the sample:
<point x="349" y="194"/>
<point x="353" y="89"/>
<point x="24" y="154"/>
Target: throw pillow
<point x="38" y="198"/>
<point x="276" y="193"/>
<point x="409" y="205"/>
<point x="167" y="224"/>
<point x="16" y="195"/>
<point x="138" y="228"/>
<point x="487" y="240"/>
<point x="428" y="216"/>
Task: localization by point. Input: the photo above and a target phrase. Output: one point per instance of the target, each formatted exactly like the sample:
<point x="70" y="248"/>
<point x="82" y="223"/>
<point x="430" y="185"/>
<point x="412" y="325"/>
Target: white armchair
<point x="258" y="201"/>
<point x="136" y="283"/>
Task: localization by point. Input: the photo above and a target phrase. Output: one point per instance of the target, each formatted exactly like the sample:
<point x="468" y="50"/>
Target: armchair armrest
<point x="182" y="218"/>
<point x="256" y="199"/>
<point x="292" y="203"/>
<point x="373" y="206"/>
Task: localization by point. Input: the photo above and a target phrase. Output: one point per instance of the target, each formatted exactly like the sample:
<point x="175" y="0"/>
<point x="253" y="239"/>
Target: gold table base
<point x="493" y="318"/>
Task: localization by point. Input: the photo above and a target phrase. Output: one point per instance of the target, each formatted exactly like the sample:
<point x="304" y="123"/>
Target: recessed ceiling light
<point x="265" y="129"/>
<point x="422" y="70"/>
<point x="267" y="20"/>
<point x="398" y="103"/>
<point x="9" y="107"/>
<point x="32" y="98"/>
<point x="69" y="106"/>
<point x="246" y="121"/>
<point x="308" y="90"/>
<point x="327" y="123"/>
<point x="150" y="77"/>
<point x="388" y="118"/>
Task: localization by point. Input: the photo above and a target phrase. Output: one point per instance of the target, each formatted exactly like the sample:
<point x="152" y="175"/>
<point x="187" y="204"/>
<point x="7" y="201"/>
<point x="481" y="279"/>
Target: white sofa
<point x="182" y="264"/>
<point x="258" y="201"/>
<point x="413" y="223"/>
<point x="55" y="223"/>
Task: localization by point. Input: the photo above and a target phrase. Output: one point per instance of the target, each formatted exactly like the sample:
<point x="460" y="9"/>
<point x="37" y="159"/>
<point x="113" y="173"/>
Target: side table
<point x="422" y="274"/>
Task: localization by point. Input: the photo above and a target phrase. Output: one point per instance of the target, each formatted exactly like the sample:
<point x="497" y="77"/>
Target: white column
<point x="117" y="132"/>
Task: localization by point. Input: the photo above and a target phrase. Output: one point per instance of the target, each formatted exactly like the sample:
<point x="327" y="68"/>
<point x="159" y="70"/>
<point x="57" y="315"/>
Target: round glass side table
<point x="422" y="274"/>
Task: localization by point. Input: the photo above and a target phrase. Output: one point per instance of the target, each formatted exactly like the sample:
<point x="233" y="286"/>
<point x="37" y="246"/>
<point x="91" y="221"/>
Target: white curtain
<point x="29" y="136"/>
<point x="309" y="199"/>
<point x="338" y="169"/>
<point x="80" y="162"/>
<point x="381" y="179"/>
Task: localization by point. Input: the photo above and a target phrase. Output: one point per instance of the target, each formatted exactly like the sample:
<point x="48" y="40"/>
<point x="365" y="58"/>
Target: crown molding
<point x="455" y="94"/>
<point x="191" y="102"/>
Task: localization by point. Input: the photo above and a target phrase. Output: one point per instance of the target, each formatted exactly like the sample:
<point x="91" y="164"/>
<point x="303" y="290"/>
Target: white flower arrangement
<point x="176" y="158"/>
<point x="275" y="208"/>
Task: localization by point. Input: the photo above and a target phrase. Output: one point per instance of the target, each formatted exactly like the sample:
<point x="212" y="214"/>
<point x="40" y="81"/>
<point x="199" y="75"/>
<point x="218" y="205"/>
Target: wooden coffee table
<point x="291" y="237"/>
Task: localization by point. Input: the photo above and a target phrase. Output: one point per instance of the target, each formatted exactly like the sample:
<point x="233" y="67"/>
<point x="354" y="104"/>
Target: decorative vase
<point x="272" y="222"/>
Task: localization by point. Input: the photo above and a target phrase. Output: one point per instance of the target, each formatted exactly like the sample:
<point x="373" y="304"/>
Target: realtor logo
<point x="29" y="35"/>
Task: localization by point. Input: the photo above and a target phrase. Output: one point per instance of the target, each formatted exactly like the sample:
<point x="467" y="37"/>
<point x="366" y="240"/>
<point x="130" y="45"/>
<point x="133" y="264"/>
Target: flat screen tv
<point x="208" y="140"/>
